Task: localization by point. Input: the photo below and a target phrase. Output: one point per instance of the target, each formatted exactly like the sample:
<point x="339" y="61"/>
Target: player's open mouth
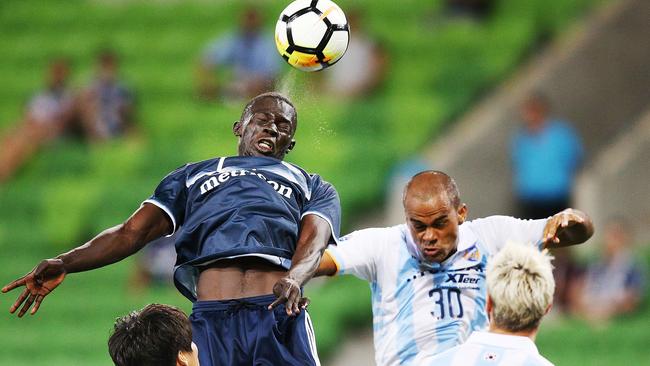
<point x="265" y="146"/>
<point x="430" y="251"/>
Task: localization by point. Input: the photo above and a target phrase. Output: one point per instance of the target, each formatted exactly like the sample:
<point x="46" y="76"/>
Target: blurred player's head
<point x="267" y="126"/>
<point x="433" y="212"/>
<point x="58" y="73"/>
<point x="520" y="289"/>
<point x="251" y="20"/>
<point x="107" y="64"/>
<point x="534" y="111"/>
<point x="157" y="335"/>
<point x="618" y="236"/>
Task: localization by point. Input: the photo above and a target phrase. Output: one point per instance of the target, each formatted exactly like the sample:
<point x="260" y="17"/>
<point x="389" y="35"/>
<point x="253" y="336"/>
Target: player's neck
<point x="523" y="333"/>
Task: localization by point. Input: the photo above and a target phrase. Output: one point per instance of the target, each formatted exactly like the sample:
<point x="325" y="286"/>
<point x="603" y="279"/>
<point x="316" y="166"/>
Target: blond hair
<point x="520" y="284"/>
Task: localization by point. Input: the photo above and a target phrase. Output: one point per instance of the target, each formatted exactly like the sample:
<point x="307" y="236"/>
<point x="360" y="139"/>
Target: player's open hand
<point x="38" y="283"/>
<point x="288" y="292"/>
<point x="559" y="223"/>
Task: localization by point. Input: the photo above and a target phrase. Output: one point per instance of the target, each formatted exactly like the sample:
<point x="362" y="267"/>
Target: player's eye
<point x="284" y="127"/>
<point x="440" y="223"/>
<point x="419" y="227"/>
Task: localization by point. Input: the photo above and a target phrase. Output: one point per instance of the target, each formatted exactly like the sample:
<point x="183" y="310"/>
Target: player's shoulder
<point x="302" y="171"/>
<point x="191" y="167"/>
<point x="314" y="178"/>
<point x="447" y="356"/>
<point x="389" y="234"/>
<point x="538" y="360"/>
<point x="546" y="362"/>
<point x="500" y="222"/>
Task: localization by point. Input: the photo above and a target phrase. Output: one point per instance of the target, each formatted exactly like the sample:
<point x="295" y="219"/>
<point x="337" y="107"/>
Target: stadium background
<point x="72" y="190"/>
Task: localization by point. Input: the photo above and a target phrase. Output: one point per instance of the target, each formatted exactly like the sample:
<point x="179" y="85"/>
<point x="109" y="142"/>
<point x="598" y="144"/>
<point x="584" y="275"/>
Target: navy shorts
<point x="245" y="332"/>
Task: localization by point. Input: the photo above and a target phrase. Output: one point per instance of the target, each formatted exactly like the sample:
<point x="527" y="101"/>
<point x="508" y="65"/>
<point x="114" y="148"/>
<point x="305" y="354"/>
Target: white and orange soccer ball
<point x="312" y="34"/>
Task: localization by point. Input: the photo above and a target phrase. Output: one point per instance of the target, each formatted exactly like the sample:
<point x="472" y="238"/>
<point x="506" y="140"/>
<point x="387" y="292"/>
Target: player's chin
<point x="433" y="256"/>
<point x="265" y="153"/>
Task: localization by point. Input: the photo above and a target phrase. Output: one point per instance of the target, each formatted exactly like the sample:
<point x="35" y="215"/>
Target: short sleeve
<point x="324" y="202"/>
<point x="171" y="197"/>
<point x="496" y="231"/>
<point x="357" y="253"/>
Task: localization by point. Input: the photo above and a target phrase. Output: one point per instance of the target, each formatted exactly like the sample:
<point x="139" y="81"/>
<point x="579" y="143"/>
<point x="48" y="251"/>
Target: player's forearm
<point x="110" y="246"/>
<point x="304" y="267"/>
<point x="315" y="233"/>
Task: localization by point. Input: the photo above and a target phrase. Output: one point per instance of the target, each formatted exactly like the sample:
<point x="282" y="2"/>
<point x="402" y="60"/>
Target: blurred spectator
<point x="48" y="114"/>
<point x="103" y="111"/>
<point x="363" y="67"/>
<point x="155" y="264"/>
<point x="614" y="284"/>
<point x="107" y="105"/>
<point x="546" y="155"/>
<point x="249" y="53"/>
<point x="470" y="9"/>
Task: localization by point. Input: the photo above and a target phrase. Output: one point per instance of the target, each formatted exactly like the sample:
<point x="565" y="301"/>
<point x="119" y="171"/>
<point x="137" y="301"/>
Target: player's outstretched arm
<point x="568" y="227"/>
<point x="314" y="236"/>
<point x="147" y="223"/>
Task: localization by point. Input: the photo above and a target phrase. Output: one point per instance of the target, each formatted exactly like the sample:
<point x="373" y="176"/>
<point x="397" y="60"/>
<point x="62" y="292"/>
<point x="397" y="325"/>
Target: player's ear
<point x="182" y="359"/>
<point x="291" y="145"/>
<point x="236" y="128"/>
<point x="548" y="308"/>
<point x="462" y="213"/>
<point x="489" y="305"/>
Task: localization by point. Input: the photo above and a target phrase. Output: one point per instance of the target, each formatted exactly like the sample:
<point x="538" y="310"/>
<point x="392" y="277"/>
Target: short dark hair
<point x="152" y="336"/>
<point x="274" y="95"/>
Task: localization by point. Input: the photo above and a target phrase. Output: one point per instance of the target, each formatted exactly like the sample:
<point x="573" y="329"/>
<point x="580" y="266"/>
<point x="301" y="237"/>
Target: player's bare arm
<point x="112" y="245"/>
<point x="566" y="228"/>
<point x="314" y="236"/>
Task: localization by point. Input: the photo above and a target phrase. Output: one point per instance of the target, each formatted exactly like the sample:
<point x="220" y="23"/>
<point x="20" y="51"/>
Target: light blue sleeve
<point x="496" y="231"/>
<point x="358" y="253"/>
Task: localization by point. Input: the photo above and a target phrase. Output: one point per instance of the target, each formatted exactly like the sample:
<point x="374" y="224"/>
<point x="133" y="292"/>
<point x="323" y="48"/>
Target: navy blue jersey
<point x="240" y="206"/>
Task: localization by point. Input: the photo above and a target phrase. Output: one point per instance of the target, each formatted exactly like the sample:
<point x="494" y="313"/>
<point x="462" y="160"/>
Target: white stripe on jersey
<point x="311" y="338"/>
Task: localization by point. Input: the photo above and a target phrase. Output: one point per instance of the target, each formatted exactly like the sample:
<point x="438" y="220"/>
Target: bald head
<point x="428" y="185"/>
<point x="433" y="213"/>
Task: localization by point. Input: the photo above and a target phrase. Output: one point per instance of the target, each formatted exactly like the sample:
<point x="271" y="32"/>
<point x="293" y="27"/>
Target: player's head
<point x="250" y="20"/>
<point x="267" y="126"/>
<point x="534" y="110"/>
<point x="157" y="335"/>
<point x="520" y="288"/>
<point x="58" y="73"/>
<point x="107" y="64"/>
<point x="617" y="235"/>
<point x="433" y="212"/>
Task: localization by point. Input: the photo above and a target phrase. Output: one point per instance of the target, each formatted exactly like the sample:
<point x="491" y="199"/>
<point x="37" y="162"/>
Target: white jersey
<point x="420" y="311"/>
<point x="491" y="349"/>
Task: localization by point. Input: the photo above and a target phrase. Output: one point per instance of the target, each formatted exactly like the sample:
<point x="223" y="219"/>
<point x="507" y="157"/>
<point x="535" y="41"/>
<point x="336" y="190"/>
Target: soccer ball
<point x="312" y="34"/>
